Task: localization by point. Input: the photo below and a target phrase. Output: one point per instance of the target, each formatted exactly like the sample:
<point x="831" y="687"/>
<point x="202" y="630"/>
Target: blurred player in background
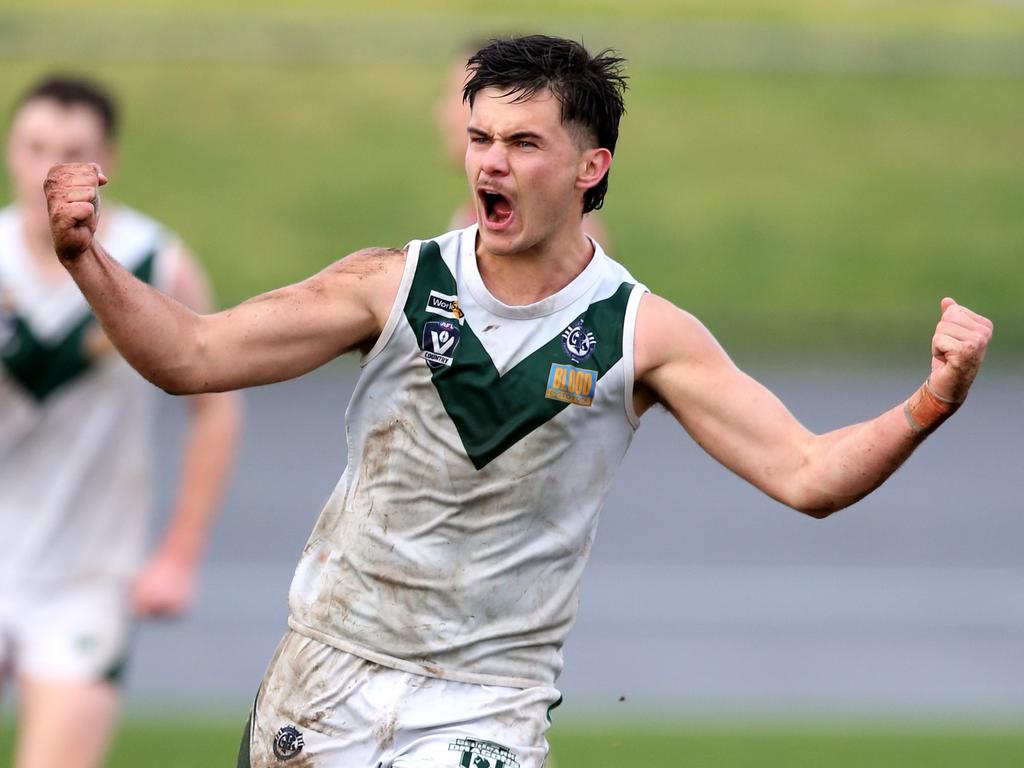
<point x="451" y="114"/>
<point x="505" y="370"/>
<point x="76" y="455"/>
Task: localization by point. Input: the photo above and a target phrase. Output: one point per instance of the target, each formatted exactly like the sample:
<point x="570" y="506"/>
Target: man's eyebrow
<point x="523" y="134"/>
<point x="514" y="136"/>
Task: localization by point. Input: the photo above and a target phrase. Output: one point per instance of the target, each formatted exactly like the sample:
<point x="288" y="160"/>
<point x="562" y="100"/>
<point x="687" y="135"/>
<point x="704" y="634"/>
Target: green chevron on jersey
<point x="42" y="366"/>
<point x="492" y="412"/>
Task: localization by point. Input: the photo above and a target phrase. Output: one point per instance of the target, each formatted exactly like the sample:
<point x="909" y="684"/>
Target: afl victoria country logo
<point x="440" y="338"/>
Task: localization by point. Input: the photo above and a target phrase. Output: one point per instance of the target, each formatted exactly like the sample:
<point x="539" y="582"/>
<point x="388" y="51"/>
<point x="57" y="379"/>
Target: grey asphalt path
<point x="701" y="594"/>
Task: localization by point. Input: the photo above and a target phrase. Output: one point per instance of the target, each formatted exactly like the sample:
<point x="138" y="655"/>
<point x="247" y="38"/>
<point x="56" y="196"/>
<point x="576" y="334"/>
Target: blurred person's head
<point x="544" y="121"/>
<point x="58" y="120"/>
<point x="451" y="111"/>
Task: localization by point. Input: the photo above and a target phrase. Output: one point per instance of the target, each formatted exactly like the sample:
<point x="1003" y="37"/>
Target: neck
<point x="38" y="241"/>
<point x="542" y="270"/>
<point x="39" y="244"/>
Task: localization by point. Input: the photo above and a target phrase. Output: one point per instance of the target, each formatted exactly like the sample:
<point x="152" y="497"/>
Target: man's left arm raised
<point x="747" y="429"/>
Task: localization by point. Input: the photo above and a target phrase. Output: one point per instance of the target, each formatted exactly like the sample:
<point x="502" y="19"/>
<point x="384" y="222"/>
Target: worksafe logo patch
<point x="442" y="304"/>
<point x="483" y="754"/>
<point x="440" y="338"/>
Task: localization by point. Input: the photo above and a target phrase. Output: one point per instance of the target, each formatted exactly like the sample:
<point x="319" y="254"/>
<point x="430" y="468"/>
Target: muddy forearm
<point x="155" y="334"/>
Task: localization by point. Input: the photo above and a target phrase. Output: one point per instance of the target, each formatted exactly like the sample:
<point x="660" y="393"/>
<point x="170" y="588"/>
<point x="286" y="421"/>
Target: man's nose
<point x="495" y="162"/>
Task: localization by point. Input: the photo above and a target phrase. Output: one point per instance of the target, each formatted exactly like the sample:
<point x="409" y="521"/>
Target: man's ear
<point x="594" y="164"/>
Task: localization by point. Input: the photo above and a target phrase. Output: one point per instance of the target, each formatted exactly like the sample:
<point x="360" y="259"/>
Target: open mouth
<point x="498" y="209"/>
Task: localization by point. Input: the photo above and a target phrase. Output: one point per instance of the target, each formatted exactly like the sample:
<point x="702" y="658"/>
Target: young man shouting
<point x="505" y="370"/>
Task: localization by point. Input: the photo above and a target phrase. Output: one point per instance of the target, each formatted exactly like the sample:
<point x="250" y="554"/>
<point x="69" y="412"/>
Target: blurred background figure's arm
<point x="166" y="585"/>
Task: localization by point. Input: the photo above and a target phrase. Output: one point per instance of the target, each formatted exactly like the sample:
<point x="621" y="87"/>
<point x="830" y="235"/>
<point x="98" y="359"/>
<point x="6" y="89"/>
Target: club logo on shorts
<point x="578" y="342"/>
<point x="440" y="338"/>
<point x="483" y="754"/>
<point x="288" y="743"/>
<point x="444" y="305"/>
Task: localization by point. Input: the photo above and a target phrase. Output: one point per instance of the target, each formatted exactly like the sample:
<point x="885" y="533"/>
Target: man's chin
<point x="498" y="243"/>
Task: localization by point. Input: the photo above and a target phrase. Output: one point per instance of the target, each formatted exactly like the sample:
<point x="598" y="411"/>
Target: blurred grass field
<point x="809" y="178"/>
<point x="620" y="746"/>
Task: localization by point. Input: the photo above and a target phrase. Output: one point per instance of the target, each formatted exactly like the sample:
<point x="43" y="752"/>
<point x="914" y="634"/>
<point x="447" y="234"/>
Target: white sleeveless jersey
<point x="482" y="440"/>
<point x="74" y="419"/>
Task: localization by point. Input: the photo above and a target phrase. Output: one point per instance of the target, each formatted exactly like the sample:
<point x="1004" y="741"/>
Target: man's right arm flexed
<point x="272" y="337"/>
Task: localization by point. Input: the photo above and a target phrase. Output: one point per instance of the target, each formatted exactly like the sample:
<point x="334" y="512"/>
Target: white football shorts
<point x="324" y="708"/>
<point x="68" y="633"/>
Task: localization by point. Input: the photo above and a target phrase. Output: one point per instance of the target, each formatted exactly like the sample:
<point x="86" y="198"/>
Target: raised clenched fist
<point x="958" y="347"/>
<point x="73" y="200"/>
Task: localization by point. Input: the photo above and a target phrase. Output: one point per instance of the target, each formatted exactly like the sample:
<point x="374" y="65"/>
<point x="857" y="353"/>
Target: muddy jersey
<point x="482" y="440"/>
<point x="74" y="418"/>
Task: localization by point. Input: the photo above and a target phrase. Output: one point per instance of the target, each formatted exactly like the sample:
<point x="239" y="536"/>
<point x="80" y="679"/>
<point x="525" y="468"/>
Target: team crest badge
<point x="483" y="754"/>
<point x="440" y="338"/>
<point x="578" y="342"/>
<point x="288" y="743"/>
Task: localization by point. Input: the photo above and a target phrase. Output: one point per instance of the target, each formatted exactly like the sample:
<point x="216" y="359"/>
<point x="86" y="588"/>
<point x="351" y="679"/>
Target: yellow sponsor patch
<point x="571" y="385"/>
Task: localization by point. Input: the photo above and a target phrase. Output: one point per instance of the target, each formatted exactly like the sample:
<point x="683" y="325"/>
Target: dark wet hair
<point x="71" y="91"/>
<point x="589" y="88"/>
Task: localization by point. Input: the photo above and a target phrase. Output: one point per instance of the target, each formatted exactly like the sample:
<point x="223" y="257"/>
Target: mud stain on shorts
<point x="385" y="732"/>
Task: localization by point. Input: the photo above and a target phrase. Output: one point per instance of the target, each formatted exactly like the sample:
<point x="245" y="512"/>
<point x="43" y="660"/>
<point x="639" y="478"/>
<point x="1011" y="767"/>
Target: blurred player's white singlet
<point x="482" y="441"/>
<point x="74" y="419"/>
